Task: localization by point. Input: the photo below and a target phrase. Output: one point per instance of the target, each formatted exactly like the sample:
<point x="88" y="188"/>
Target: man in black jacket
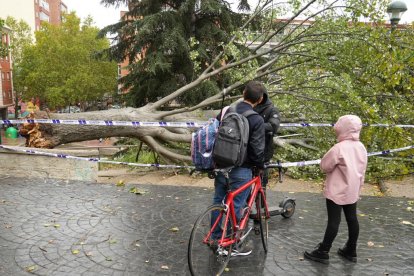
<point x="252" y="96"/>
<point x="271" y="117"/>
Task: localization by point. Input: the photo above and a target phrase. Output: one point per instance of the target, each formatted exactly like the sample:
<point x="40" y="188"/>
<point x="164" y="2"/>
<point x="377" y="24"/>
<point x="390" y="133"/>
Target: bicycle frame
<point x="231" y="214"/>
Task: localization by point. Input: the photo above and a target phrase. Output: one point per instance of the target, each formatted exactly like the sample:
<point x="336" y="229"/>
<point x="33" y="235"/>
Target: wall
<point x="22" y="165"/>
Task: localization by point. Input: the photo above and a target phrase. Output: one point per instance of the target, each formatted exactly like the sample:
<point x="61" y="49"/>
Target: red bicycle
<point x="209" y="256"/>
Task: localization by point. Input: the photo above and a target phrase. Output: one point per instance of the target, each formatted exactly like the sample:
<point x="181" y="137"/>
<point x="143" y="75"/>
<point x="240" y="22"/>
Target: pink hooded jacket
<point x="345" y="163"/>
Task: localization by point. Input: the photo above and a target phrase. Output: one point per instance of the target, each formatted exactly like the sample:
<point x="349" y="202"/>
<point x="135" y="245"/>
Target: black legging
<point x="334" y="219"/>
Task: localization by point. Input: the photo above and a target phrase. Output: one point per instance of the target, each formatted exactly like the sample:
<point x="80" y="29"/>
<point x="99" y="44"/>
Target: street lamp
<point x="395" y="11"/>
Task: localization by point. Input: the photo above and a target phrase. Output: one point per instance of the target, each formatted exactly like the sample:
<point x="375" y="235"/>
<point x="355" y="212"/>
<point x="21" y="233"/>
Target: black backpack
<point x="230" y="147"/>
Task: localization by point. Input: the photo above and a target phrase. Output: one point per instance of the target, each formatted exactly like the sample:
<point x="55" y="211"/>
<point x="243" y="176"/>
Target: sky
<point x="102" y="16"/>
<point x="106" y="16"/>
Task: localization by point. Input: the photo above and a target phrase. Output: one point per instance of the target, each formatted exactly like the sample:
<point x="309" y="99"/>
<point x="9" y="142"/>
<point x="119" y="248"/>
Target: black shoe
<point x="349" y="254"/>
<point x="320" y="255"/>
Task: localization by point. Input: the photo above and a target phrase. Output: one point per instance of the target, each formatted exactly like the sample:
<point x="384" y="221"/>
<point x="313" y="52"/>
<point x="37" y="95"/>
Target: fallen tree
<point x="49" y="136"/>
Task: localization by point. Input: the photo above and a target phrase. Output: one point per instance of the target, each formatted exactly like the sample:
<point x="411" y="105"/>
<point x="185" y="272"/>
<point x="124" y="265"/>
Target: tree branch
<point x="154" y="145"/>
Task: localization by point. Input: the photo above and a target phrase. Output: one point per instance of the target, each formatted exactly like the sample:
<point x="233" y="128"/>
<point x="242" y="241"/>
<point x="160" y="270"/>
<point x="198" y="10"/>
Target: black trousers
<point x="334" y="219"/>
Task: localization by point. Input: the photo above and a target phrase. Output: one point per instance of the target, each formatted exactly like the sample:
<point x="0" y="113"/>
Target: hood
<point x="265" y="102"/>
<point x="348" y="127"/>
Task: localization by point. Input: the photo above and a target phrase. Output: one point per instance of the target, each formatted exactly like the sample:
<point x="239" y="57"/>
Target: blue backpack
<point x="202" y="144"/>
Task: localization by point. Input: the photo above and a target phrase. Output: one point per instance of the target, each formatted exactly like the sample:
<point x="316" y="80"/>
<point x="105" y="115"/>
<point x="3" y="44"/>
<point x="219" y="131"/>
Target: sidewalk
<point x="55" y="227"/>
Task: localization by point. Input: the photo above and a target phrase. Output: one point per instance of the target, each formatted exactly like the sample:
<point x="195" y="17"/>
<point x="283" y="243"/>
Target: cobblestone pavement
<point x="55" y="227"/>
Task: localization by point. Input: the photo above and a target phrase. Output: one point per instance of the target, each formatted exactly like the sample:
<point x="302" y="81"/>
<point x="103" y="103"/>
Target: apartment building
<point x="34" y="12"/>
<point x="6" y="76"/>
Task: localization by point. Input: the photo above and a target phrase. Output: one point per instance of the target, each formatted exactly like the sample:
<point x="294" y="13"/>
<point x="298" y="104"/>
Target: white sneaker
<point x="241" y="252"/>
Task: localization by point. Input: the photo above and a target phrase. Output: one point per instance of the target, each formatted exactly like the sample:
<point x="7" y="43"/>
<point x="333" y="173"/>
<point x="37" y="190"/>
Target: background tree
<point x="20" y="37"/>
<point x="317" y="71"/>
<point x="168" y="43"/>
<point x="3" y="47"/>
<point x="61" y="68"/>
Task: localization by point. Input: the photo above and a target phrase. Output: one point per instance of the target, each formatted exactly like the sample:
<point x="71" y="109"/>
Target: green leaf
<point x="137" y="191"/>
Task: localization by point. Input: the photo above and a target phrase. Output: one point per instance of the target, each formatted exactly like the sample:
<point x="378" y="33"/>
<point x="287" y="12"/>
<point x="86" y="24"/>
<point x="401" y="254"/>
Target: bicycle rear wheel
<point x="263" y="221"/>
<point x="205" y="255"/>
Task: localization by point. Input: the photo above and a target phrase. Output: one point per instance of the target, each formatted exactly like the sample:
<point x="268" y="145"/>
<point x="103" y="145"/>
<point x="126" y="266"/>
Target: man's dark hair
<point x="254" y="91"/>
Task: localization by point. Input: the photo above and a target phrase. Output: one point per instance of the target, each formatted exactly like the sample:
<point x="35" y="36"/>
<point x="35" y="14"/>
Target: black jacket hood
<point x="264" y="104"/>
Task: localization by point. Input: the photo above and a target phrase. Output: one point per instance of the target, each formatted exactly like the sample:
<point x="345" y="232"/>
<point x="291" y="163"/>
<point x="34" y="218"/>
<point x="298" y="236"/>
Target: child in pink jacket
<point x="345" y="165"/>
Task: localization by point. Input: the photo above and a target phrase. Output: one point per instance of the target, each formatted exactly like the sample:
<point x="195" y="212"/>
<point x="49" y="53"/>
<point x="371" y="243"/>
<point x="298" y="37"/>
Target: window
<point x="2" y="75"/>
<point x="44" y="4"/>
<point x="8" y="75"/>
<point x="44" y="17"/>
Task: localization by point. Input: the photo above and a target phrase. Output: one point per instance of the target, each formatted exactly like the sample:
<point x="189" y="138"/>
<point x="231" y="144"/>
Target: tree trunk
<point x="51" y="135"/>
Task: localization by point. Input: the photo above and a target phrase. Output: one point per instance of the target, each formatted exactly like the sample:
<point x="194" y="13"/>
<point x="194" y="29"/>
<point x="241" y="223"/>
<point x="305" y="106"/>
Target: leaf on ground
<point x="410" y="202"/>
<point x="75" y="252"/>
<point x="370" y="244"/>
<point x="88" y="254"/>
<point x="56" y="225"/>
<point x="31" y="268"/>
<point x="369" y="259"/>
<point x="109" y="259"/>
<point x="227" y="269"/>
<point x="137" y="191"/>
<point x="406" y="222"/>
<point x="410" y="209"/>
<point x="174" y="229"/>
<point x="112" y="241"/>
<point x="165" y="267"/>
<point x="361" y="215"/>
<point x="120" y="183"/>
<point x="46" y="224"/>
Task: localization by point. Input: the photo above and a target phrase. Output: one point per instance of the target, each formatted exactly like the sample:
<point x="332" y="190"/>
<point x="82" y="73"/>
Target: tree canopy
<point x="20" y="38"/>
<point x="62" y="68"/>
<point x="168" y="43"/>
<point x="4" y="49"/>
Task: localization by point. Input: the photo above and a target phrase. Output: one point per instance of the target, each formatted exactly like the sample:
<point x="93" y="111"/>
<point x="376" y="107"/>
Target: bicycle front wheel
<point x="263" y="221"/>
<point x="205" y="254"/>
